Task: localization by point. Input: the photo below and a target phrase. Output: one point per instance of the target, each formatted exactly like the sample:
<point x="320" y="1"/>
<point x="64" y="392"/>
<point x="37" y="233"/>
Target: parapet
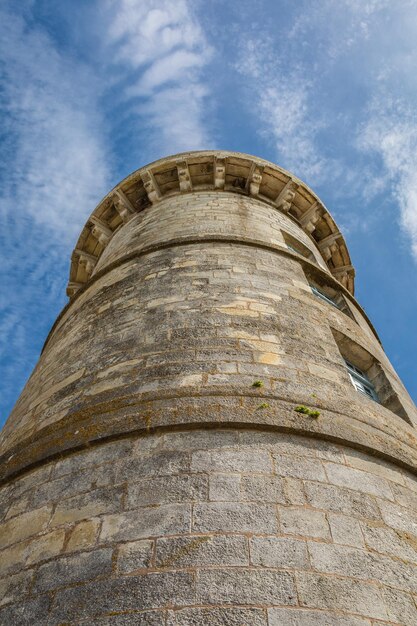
<point x="210" y="170"/>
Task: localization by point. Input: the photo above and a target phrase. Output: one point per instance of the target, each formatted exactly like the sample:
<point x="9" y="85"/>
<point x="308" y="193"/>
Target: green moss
<point x="306" y="411"/>
<point x="263" y="405"/>
<point x="257" y="383"/>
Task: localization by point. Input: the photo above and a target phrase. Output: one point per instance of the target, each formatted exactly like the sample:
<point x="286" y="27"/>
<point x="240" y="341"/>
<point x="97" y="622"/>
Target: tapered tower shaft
<point x="213" y="433"/>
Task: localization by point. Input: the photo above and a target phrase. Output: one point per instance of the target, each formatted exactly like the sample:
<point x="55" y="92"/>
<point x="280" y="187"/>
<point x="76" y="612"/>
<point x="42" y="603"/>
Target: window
<point x="299" y="248"/>
<point x="371" y="378"/>
<point x="360" y="381"/>
<point x="329" y="295"/>
<point x="320" y="294"/>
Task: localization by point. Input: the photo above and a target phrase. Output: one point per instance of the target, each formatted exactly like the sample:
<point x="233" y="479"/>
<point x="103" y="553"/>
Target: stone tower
<point x="213" y="433"/>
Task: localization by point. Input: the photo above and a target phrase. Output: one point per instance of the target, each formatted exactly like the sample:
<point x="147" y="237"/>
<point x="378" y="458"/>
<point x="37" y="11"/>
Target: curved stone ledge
<point x="218" y="171"/>
<point x="315" y="269"/>
<point x="219" y="408"/>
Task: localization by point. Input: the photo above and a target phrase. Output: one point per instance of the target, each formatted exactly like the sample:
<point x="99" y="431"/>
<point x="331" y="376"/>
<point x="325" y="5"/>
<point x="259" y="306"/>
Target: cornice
<point x="202" y="171"/>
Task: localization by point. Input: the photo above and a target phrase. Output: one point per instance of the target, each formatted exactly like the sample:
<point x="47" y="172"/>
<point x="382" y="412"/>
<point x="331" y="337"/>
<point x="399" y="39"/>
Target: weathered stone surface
<point x="295" y="617"/>
<point x="13" y="588"/>
<point x="339" y="500"/>
<point x="201" y="550"/>
<point x="366" y="482"/>
<point x="73" y="569"/>
<point x="157" y="472"/>
<point x="217" y="617"/>
<point x="27" y="613"/>
<point x="167" y="489"/>
<point x="234" y="516"/>
<point x="263" y="489"/>
<point x="225" y="487"/>
<point x="237" y="586"/>
<point x="134" y="555"/>
<point x="87" y="505"/>
<point x="24" y="526"/>
<point x="150" y="591"/>
<point x="345" y="530"/>
<point x="341" y="594"/>
<point x="146" y="522"/>
<point x="305" y="522"/>
<point x="145" y="618"/>
<point x="83" y="535"/>
<point x="279" y="552"/>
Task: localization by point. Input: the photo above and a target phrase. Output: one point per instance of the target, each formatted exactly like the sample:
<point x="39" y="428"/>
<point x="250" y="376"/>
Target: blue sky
<point x="90" y="91"/>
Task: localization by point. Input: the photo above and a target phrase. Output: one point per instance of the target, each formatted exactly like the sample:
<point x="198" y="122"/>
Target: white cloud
<point x="53" y="170"/>
<point x="54" y="165"/>
<point x="390" y="132"/>
<point x="280" y="98"/>
<point x="160" y="45"/>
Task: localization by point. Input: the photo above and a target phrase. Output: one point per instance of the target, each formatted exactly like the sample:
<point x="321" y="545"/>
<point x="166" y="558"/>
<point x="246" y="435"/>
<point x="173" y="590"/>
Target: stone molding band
<point x="95" y="425"/>
<point x="222" y="239"/>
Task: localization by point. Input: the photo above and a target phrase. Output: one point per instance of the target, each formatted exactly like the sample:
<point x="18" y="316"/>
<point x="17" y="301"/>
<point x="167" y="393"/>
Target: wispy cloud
<point x="53" y="170"/>
<point x="53" y="167"/>
<point x="162" y="53"/>
<point x="360" y="134"/>
<point x="282" y="105"/>
<point x="390" y="133"/>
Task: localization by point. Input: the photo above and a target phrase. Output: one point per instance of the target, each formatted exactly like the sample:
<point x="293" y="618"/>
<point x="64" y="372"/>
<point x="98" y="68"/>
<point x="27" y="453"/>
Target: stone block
<point x="27" y="613"/>
<point x="340" y="500"/>
<point x="244" y="460"/>
<point x="13" y="557"/>
<point x="12" y="588"/>
<point x="145" y="618"/>
<point x="73" y="569"/>
<point x="24" y="526"/>
<point x="378" y="467"/>
<point x="45" y="546"/>
<point x="262" y="489"/>
<point x="218" y="617"/>
<point x="83" y="535"/>
<point x="341" y="560"/>
<point x="304" y="522"/>
<point x="302" y="617"/>
<point x="98" y="455"/>
<point x="293" y="490"/>
<point x="87" y="505"/>
<point x="201" y="439"/>
<point x="64" y="487"/>
<point x="398" y="517"/>
<point x="345" y="530"/>
<point x="299" y="467"/>
<point x="234" y="517"/>
<point x="147" y="591"/>
<point x="163" y="490"/>
<point x="340" y="594"/>
<point x="134" y="555"/>
<point x="146" y="522"/>
<point x="250" y="586"/>
<point x="201" y="550"/>
<point x="224" y="487"/>
<point x="399" y="544"/>
<point x="365" y="482"/>
<point x="400" y="606"/>
<point x="164" y="463"/>
<point x="279" y="552"/>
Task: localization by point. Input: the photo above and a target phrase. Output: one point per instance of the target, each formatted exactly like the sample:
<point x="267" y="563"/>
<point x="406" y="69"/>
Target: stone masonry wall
<point x="155" y="471"/>
<point x="179" y="334"/>
<point x="220" y="527"/>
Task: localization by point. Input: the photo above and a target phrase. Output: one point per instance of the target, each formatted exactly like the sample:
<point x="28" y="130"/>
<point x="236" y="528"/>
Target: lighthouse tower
<point x="213" y="433"/>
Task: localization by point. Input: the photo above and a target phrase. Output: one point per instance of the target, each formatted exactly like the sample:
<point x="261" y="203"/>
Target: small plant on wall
<point x="305" y="410"/>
